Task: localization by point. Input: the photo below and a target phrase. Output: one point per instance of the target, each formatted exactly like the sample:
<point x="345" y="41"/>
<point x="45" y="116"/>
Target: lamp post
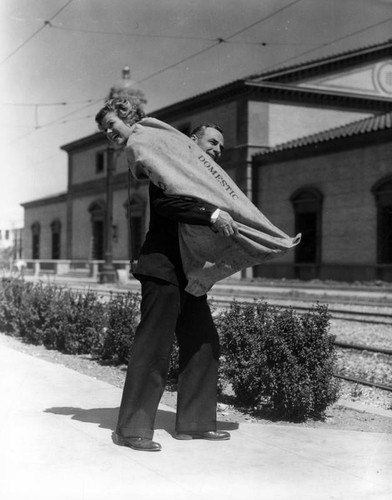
<point x="108" y="273"/>
<point x="122" y="88"/>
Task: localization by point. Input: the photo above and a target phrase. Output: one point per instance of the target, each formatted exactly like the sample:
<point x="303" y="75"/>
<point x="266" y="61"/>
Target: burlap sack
<point x="175" y="163"/>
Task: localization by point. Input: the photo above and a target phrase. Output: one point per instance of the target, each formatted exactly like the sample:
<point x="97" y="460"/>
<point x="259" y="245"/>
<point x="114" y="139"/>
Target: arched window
<point x="382" y="192"/>
<point x="56" y="239"/>
<point x="97" y="211"/>
<point x="307" y="204"/>
<point x="136" y="212"/>
<point x="35" y="240"/>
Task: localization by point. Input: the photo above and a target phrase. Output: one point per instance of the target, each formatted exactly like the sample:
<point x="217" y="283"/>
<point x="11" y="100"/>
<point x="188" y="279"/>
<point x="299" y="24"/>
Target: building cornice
<point x="59" y="198"/>
<point x="326" y="64"/>
<point x="98" y="186"/>
<point x="295" y="92"/>
<point x="321" y="148"/>
<point x="97" y="139"/>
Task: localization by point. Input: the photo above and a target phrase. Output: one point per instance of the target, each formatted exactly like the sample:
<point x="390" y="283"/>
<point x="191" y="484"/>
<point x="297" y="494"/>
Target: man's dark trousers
<point x="167" y="309"/>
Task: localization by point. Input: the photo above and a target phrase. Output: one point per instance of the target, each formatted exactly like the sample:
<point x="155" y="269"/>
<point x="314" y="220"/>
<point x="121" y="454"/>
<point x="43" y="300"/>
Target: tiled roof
<point x="364" y="126"/>
<point x="288" y="70"/>
<point x="59" y="197"/>
<point x="275" y="76"/>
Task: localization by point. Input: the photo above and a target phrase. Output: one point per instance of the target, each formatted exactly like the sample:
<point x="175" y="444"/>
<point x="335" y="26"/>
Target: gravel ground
<point x="376" y="335"/>
<point x="366" y="365"/>
<point x="344" y="414"/>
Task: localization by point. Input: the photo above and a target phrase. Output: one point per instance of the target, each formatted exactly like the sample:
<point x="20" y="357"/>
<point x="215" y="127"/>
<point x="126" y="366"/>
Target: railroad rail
<point x="364" y="382"/>
<point x="382" y="316"/>
<point x="363" y="347"/>
<point x="377" y="317"/>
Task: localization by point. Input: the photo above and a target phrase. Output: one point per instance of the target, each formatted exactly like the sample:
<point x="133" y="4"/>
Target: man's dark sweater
<point x="160" y="254"/>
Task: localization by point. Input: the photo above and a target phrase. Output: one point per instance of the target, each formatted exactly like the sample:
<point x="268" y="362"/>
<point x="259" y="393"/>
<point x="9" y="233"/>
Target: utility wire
<point x="325" y="45"/>
<point x="90" y="102"/>
<point x="264" y="19"/>
<point x="43" y="104"/>
<point x="50" y="124"/>
<point x="171" y="37"/>
<point x="141" y="35"/>
<point x="46" y="23"/>
<point x="217" y="42"/>
<point x="73" y="112"/>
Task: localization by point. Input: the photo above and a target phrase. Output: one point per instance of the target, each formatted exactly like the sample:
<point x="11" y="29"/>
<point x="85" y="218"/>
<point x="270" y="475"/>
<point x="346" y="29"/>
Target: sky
<point x="59" y="59"/>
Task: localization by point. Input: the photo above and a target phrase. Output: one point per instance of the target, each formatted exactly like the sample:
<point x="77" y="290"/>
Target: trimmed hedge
<point x="268" y="354"/>
<point x="280" y="356"/>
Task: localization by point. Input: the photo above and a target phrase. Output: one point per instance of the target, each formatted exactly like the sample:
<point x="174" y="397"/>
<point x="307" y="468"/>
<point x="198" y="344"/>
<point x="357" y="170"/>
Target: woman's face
<point x="115" y="129"/>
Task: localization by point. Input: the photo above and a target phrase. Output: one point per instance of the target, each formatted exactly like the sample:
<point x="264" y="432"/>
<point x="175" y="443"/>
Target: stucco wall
<point x="258" y="124"/>
<point x="45" y="215"/>
<point x="224" y="115"/>
<point x="291" y="121"/>
<point x="82" y="225"/>
<point x="84" y="165"/>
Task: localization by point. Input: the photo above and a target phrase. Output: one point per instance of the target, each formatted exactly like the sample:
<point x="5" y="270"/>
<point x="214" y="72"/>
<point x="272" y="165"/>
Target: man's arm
<point x="223" y="223"/>
<point x="191" y="210"/>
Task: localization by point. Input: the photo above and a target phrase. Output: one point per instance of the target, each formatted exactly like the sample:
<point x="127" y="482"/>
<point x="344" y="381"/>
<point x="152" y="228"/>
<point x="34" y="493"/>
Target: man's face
<point x="115" y="129"/>
<point x="211" y="142"/>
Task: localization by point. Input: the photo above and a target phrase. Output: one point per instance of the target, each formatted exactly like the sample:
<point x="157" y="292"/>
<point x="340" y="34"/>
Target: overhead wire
<point x="49" y="124"/>
<point x="46" y="23"/>
<point x="327" y="44"/>
<point x="191" y="56"/>
<point x="141" y="35"/>
<point x="217" y="42"/>
<point x="46" y="104"/>
<point x="170" y="37"/>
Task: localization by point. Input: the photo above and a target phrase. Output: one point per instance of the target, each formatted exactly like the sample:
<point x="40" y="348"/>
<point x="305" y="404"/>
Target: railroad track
<point x="363" y="348"/>
<point x="376" y="317"/>
<point x="344" y="310"/>
<point x="364" y="382"/>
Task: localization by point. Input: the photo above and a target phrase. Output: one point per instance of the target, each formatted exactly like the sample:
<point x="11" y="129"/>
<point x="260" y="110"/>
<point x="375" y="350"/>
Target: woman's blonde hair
<point x="128" y="110"/>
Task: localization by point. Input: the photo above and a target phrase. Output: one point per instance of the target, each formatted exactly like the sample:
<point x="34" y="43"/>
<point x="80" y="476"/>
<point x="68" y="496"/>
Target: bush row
<point x="269" y="354"/>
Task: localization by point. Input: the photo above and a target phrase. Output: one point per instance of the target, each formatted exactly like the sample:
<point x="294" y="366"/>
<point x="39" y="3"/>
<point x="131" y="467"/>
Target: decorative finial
<point x="125" y="88"/>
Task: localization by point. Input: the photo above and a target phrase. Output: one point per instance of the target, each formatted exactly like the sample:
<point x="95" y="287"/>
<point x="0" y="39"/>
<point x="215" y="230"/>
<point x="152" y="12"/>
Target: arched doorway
<point x="35" y="240"/>
<point x="56" y="239"/>
<point x="307" y="204"/>
<point x="382" y="192"/>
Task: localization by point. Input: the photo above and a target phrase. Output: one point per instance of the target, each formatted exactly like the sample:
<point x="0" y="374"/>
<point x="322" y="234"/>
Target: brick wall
<point x="345" y="178"/>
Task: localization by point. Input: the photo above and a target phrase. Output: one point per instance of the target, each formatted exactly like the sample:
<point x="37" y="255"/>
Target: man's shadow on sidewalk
<point x="106" y="418"/>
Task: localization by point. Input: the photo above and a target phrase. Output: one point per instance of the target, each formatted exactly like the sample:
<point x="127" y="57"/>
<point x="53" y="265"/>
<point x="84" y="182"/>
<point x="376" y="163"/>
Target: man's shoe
<point x="209" y="435"/>
<point x="139" y="443"/>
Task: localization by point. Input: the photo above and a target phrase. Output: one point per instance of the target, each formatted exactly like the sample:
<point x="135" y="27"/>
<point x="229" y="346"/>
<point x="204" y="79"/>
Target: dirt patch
<point x="342" y="415"/>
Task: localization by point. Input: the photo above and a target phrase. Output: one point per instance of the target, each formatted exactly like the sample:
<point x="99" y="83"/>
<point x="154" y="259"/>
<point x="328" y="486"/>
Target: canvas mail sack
<point x="176" y="164"/>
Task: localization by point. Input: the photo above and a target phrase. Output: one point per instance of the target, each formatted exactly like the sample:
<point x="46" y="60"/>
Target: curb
<point x="382" y="412"/>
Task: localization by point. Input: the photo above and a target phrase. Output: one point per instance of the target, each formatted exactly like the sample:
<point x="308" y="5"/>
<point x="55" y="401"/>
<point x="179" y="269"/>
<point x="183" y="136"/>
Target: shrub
<point x="11" y="293"/>
<point x="279" y="355"/>
<point x="267" y="352"/>
<point x="114" y="340"/>
<point x="35" y="306"/>
<point x="74" y="321"/>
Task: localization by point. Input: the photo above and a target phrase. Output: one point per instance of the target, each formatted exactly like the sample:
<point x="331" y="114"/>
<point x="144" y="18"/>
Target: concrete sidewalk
<point x="56" y="443"/>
